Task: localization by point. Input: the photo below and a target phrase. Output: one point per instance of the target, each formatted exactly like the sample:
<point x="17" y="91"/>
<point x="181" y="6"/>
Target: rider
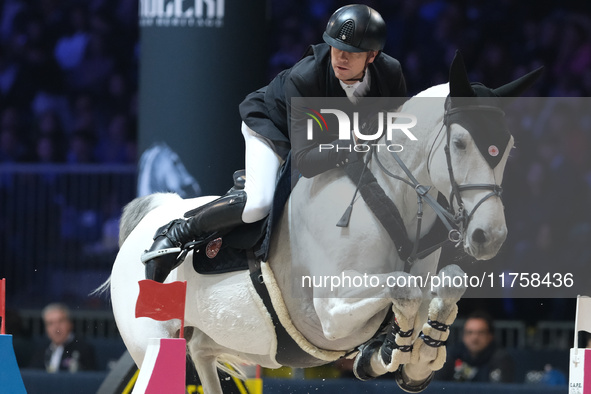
<point x="349" y="64"/>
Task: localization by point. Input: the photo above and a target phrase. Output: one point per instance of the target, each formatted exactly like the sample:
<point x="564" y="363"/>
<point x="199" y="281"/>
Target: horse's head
<point x="469" y="170"/>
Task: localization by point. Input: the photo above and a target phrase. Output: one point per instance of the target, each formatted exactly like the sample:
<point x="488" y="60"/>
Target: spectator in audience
<point x="65" y="352"/>
<point x="81" y="148"/>
<point x="478" y="358"/>
<point x="11" y="148"/>
<point x="47" y="150"/>
<point x="116" y="145"/>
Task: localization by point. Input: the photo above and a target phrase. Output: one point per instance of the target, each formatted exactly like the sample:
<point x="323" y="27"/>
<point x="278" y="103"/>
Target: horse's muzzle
<point x="484" y="244"/>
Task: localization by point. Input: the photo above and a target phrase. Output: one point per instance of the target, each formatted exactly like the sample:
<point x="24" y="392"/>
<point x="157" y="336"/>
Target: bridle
<point x="495" y="190"/>
<point x="456" y="222"/>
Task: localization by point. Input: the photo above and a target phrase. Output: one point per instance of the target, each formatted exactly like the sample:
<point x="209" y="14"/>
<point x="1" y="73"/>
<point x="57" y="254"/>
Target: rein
<point x="445" y="214"/>
<point x="455" y="222"/>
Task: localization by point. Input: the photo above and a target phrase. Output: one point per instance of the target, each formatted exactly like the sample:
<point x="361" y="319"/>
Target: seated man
<point x="477" y="358"/>
<point x="65" y="352"/>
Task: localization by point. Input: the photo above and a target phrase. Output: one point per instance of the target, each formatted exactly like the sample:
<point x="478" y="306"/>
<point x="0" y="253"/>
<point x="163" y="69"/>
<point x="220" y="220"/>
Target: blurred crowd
<point x="68" y="81"/>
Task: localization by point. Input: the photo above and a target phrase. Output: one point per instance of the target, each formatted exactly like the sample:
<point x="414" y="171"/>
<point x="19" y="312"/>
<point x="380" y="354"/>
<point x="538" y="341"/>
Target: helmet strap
<point x="358" y="79"/>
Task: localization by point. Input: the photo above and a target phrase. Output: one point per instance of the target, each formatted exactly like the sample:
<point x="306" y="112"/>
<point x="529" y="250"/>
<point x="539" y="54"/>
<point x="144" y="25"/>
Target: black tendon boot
<point x="218" y="215"/>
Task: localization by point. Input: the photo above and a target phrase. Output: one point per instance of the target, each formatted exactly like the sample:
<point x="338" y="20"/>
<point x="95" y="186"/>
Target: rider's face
<point x="350" y="65"/>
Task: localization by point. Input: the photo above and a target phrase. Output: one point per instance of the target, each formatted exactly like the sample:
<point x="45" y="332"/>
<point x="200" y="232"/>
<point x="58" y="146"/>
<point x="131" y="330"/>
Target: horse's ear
<point x="520" y="85"/>
<point x="459" y="85"/>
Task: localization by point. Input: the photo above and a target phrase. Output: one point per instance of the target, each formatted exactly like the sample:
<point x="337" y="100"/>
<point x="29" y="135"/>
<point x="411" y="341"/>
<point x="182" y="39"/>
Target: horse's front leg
<point x="345" y="316"/>
<point x="349" y="310"/>
<point x="428" y="350"/>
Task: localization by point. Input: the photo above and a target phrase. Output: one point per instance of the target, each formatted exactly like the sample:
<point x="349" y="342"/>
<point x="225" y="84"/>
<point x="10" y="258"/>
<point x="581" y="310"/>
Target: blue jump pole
<point x="10" y="376"/>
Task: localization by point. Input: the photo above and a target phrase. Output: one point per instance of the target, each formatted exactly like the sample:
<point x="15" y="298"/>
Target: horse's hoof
<point x="409" y="388"/>
<point x="362" y="365"/>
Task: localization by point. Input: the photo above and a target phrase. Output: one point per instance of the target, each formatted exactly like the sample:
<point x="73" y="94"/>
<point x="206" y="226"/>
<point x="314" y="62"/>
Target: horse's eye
<point x="459" y="144"/>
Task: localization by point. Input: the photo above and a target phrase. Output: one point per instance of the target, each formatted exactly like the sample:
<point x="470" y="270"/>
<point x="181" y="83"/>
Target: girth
<point x="289" y="353"/>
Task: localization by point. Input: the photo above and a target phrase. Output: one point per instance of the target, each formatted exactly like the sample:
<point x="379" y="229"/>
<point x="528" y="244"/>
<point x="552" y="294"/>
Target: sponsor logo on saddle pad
<point x="213" y="247"/>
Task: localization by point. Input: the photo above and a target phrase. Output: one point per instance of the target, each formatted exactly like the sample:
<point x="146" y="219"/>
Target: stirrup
<point x="147" y="256"/>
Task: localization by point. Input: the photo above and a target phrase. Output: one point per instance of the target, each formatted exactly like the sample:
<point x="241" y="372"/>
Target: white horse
<point x="227" y="319"/>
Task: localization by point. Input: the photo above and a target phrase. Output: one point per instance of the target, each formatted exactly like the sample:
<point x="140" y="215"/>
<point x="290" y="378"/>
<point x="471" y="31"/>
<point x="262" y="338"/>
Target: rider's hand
<point x="346" y="152"/>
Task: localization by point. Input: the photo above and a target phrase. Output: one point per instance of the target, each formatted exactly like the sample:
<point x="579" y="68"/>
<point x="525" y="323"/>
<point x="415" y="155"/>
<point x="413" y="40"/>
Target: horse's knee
<point x="406" y="299"/>
<point x="446" y="287"/>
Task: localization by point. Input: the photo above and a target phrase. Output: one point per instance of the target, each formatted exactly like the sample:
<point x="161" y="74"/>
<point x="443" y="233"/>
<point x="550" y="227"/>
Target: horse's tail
<point x="135" y="211"/>
<point x="102" y="289"/>
<point x="232" y="366"/>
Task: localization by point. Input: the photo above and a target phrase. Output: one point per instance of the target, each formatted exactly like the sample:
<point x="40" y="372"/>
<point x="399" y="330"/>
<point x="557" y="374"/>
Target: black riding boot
<point x="218" y="215"/>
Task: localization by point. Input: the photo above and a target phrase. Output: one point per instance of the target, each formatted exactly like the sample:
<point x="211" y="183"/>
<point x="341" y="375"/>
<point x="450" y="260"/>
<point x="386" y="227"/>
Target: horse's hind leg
<point x="204" y="352"/>
<point x="206" y="367"/>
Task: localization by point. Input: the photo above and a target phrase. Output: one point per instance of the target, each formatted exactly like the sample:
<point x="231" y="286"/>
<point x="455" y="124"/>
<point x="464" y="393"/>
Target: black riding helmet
<point x="356" y="28"/>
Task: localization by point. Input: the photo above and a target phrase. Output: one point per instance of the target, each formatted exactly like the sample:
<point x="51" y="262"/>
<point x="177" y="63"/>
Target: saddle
<point x="232" y="251"/>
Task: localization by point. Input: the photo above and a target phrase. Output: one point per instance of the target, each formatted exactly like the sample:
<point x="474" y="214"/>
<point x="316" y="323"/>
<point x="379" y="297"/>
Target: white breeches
<point x="262" y="166"/>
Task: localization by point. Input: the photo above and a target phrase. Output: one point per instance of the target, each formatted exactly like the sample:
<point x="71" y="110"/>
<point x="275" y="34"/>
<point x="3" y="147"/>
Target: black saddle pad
<point x="227" y="259"/>
<point x="230" y="252"/>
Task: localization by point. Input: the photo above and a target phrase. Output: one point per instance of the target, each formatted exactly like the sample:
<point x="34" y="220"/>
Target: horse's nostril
<point x="478" y="236"/>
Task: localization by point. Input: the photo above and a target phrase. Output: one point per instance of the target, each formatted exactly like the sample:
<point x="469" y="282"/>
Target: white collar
<point x="357" y="89"/>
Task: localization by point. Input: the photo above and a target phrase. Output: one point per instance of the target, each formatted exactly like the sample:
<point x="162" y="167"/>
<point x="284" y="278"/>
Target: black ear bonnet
<point x="485" y="123"/>
<point x="477" y="109"/>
